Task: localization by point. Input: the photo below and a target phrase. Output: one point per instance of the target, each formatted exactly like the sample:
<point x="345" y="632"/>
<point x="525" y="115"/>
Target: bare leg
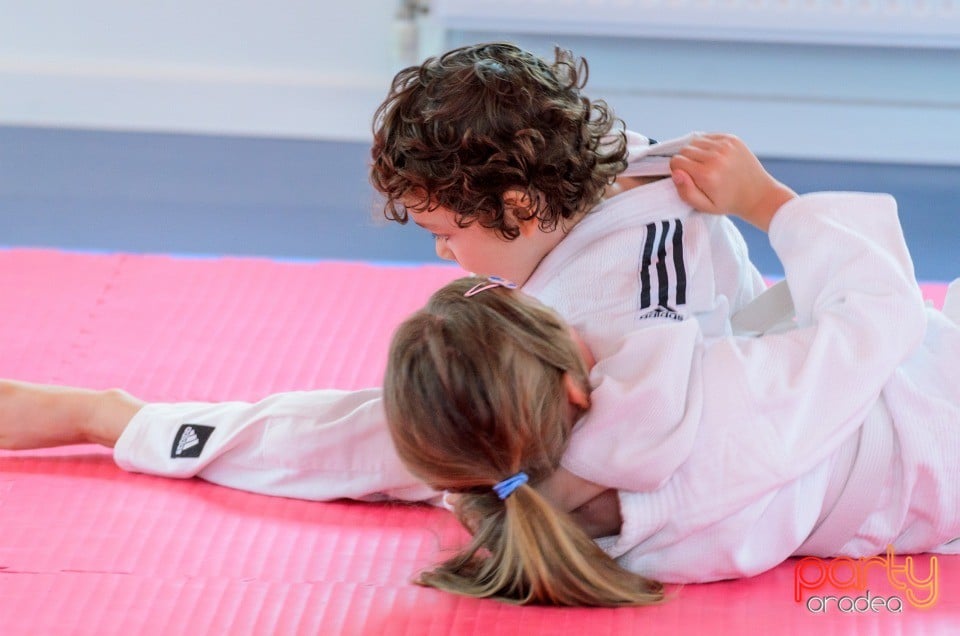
<point x="38" y="416"/>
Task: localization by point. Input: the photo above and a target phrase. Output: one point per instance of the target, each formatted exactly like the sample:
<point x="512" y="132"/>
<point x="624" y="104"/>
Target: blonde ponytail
<point x="525" y="551"/>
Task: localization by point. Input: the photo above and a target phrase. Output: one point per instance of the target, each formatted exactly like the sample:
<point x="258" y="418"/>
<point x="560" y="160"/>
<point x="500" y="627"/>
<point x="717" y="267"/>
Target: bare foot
<point x="39" y="416"/>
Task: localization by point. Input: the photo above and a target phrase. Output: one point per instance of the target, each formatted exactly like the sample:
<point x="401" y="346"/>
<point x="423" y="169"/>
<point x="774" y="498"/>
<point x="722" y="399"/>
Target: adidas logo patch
<point x="190" y="440"/>
<point x="662" y="312"/>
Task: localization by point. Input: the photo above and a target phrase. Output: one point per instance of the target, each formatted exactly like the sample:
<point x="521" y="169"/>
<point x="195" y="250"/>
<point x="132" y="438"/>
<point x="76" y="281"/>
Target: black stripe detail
<point x="678" y="264"/>
<point x="645" y="266"/>
<point x="662" y="266"/>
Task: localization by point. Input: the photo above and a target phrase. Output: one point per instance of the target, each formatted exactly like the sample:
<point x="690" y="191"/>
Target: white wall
<point x="290" y="67"/>
<point x="319" y="68"/>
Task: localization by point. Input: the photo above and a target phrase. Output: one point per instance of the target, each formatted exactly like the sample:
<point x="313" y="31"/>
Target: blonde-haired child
<point x="838" y="437"/>
<point x="482" y="383"/>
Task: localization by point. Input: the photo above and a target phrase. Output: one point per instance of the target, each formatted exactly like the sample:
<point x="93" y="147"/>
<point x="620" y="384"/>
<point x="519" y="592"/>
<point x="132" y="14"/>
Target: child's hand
<point x="718" y="174"/>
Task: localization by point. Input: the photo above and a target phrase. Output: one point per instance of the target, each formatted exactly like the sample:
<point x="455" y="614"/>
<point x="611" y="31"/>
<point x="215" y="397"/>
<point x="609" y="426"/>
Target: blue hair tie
<point x="506" y="487"/>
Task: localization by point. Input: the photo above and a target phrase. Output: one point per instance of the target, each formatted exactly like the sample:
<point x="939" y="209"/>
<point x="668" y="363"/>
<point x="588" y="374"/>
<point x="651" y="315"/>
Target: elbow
<point x="901" y="323"/>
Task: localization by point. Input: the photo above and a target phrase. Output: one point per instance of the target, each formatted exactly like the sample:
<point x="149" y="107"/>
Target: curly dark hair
<point x="462" y="129"/>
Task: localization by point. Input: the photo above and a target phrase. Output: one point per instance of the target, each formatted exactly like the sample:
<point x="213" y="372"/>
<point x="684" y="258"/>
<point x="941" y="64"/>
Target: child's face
<point x="482" y="251"/>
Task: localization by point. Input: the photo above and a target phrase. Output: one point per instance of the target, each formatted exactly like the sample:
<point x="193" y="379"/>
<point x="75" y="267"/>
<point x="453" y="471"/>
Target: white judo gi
<point x="640" y="259"/>
<point x="841" y="436"/>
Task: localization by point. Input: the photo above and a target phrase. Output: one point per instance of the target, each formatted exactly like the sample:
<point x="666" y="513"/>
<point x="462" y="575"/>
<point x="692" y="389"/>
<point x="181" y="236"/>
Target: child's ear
<point x="575" y="393"/>
<point x="519" y="203"/>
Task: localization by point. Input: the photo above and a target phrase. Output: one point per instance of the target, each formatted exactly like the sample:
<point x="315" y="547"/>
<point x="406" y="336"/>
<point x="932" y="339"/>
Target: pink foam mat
<point x="86" y="548"/>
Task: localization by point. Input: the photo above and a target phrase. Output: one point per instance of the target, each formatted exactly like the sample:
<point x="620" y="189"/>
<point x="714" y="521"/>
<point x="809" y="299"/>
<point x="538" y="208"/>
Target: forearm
<point x="110" y="417"/>
<point x="40" y="415"/>
<point x="770" y="199"/>
<point x="595" y="508"/>
<point x="859" y="315"/>
<point x="600" y="517"/>
<point x="567" y="491"/>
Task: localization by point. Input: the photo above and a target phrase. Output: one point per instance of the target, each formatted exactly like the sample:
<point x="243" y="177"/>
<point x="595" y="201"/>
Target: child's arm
<point x="718" y="174"/>
<point x="595" y="508"/>
<point x="39" y="416"/>
<point x="792" y="397"/>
